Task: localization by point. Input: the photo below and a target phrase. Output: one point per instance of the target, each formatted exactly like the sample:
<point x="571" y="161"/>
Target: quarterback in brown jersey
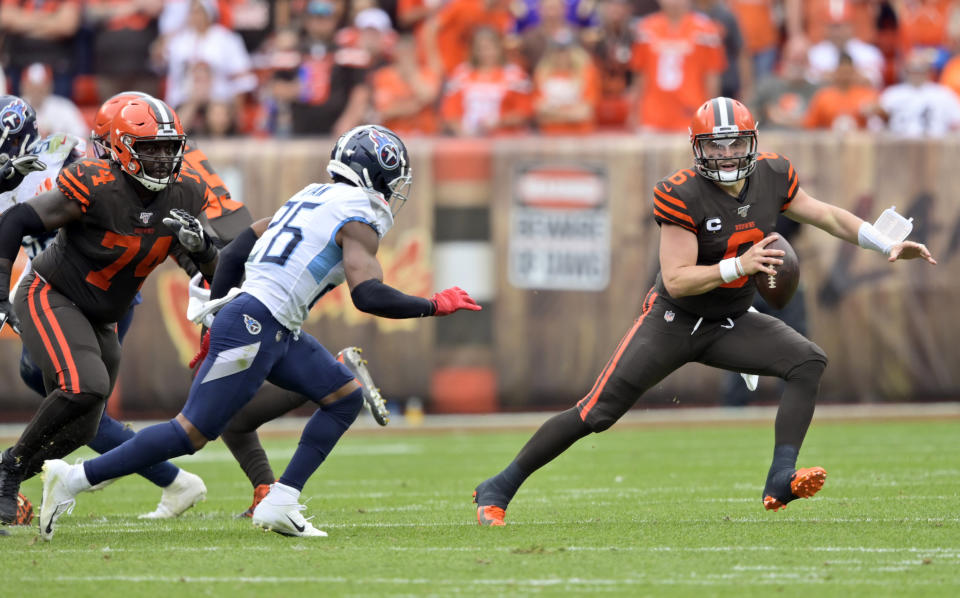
<point x="715" y="223"/>
<point x="117" y="220"/>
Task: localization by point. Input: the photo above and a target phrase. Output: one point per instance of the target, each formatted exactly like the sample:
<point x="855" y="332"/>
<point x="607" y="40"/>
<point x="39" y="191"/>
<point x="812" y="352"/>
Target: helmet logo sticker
<point x="388" y="154"/>
<point x="13" y="116"/>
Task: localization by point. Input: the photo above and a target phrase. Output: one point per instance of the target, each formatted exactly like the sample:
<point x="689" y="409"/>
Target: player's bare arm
<point x="681" y="274"/>
<point x="360" y="244"/>
<point x="847" y="226"/>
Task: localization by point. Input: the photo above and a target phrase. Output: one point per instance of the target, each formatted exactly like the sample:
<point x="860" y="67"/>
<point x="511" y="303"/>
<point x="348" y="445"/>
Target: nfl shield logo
<point x="742" y="210"/>
<point x="669" y="316"/>
<point x="145" y="217"/>
<point x="253" y="326"/>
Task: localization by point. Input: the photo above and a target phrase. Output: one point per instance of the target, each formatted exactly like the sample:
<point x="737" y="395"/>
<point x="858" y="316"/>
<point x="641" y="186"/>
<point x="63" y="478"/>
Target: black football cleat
<point x="11" y="474"/>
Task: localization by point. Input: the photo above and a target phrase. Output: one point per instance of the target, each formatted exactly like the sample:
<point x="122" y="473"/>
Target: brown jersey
<point x="224" y="217"/>
<point x="725" y="226"/>
<point x="100" y="260"/>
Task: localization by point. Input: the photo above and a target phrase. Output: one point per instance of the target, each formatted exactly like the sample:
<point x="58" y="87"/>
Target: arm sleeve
<point x="230" y="267"/>
<point x="670" y="209"/>
<point x="374" y="297"/>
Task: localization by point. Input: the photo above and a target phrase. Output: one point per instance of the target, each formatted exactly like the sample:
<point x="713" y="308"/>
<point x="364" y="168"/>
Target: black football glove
<point x="8" y="317"/>
<point x="22" y="166"/>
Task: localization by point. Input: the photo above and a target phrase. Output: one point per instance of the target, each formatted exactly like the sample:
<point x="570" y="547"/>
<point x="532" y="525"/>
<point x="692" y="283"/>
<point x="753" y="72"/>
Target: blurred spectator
<point x="124" y="31"/>
<point x="253" y="20"/>
<point x="611" y="45"/>
<point x="372" y="36"/>
<point x="918" y="107"/>
<point x="200" y="114"/>
<point x="677" y="60"/>
<point x="455" y="24"/>
<point x="817" y="17"/>
<point x="578" y="14"/>
<point x="39" y="31"/>
<point x="923" y="24"/>
<point x="843" y="105"/>
<point x="206" y="42"/>
<point x="737" y="80"/>
<point x="55" y="114"/>
<point x="281" y="60"/>
<point x="330" y="94"/>
<point x="760" y="32"/>
<point x="486" y="95"/>
<point x="781" y="101"/>
<point x="824" y="56"/>
<point x="566" y="88"/>
<point x="405" y="93"/>
<point x="551" y="22"/>
<point x="3" y="82"/>
<point x="412" y="16"/>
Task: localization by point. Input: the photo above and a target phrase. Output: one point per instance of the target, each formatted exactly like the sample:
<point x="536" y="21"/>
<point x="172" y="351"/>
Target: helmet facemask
<point x="726" y="158"/>
<point x="154" y="161"/>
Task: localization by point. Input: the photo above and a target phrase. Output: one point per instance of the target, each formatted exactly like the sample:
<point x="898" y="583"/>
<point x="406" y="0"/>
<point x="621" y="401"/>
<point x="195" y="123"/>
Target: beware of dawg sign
<point x="560" y="227"/>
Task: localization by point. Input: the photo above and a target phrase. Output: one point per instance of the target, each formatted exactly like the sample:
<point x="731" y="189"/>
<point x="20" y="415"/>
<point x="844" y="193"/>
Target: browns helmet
<point x="100" y="136"/>
<point x="724" y="138"/>
<point x="147" y="140"/>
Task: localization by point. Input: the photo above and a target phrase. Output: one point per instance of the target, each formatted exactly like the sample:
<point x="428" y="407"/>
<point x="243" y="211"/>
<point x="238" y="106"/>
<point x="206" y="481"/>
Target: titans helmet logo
<point x="388" y="154"/>
<point x="13" y="116"/>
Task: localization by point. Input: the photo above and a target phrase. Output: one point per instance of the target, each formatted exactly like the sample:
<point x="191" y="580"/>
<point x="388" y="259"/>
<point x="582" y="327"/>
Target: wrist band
<point x="728" y="269"/>
<point x="869" y="237"/>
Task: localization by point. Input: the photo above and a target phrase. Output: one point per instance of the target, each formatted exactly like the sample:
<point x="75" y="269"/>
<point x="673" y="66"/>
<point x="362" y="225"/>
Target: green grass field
<point x="636" y="511"/>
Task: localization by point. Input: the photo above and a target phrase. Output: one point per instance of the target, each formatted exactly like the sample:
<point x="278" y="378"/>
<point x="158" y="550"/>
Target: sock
<point x="241" y="434"/>
<point x="111" y="434"/>
<point x="281" y="494"/>
<point x="55" y="413"/>
<point x="148" y="447"/>
<point x="321" y="433"/>
<point x="781" y="470"/>
<point x="797" y="403"/>
<point x="555" y="436"/>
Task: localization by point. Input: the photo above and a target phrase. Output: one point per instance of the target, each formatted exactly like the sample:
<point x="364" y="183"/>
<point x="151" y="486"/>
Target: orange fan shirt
<point x="830" y="104"/>
<point x="479" y="99"/>
<point x="755" y="18"/>
<point x="389" y="88"/>
<point x="564" y="88"/>
<point x="861" y="13"/>
<point x="924" y="23"/>
<point x="456" y="23"/>
<point x="675" y="61"/>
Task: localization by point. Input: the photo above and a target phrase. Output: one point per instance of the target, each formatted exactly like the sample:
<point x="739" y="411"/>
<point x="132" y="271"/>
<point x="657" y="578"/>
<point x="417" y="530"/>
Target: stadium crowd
<point x="488" y="67"/>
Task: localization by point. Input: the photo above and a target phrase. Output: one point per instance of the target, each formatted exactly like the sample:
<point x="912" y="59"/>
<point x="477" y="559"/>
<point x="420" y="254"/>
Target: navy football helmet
<point x="373" y="158"/>
<point x="18" y="128"/>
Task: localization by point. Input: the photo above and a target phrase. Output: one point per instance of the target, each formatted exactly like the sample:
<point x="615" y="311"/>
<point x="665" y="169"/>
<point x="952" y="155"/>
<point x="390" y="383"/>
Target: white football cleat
<point x="372" y="399"/>
<point x="58" y="498"/>
<point x="284" y="519"/>
<point x="186" y="490"/>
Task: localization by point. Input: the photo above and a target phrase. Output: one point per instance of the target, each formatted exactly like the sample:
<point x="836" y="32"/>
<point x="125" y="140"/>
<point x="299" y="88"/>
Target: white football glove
<point x="188" y="230"/>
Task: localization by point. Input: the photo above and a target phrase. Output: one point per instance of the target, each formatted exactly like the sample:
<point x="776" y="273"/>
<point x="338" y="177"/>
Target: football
<point x="777" y="290"/>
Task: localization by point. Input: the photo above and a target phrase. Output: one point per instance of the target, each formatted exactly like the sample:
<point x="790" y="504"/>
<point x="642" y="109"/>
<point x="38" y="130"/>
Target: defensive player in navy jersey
<point x="715" y="221"/>
<point x="113" y="230"/>
<point x="322" y="236"/>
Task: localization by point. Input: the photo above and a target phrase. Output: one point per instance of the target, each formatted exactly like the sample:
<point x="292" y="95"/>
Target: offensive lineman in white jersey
<point x="322" y="236"/>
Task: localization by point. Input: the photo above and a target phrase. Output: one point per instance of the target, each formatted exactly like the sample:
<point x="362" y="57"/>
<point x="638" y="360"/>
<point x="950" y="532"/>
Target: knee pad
<point x="345" y="410"/>
<point x="31" y="374"/>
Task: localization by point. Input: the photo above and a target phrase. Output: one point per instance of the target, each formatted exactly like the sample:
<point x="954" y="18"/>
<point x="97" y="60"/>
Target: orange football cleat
<point x="258" y="493"/>
<point x="24" y="511"/>
<point x="489" y="514"/>
<point x="803" y="484"/>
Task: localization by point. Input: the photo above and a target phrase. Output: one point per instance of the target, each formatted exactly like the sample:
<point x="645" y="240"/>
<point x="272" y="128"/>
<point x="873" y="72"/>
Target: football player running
<point x="180" y="489"/>
<point x="110" y="238"/>
<point x="715" y="223"/>
<point x="324" y="235"/>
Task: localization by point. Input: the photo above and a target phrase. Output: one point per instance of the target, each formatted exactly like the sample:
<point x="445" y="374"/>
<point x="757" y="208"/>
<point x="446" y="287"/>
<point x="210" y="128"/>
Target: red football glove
<point x="202" y="353"/>
<point x="450" y="300"/>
